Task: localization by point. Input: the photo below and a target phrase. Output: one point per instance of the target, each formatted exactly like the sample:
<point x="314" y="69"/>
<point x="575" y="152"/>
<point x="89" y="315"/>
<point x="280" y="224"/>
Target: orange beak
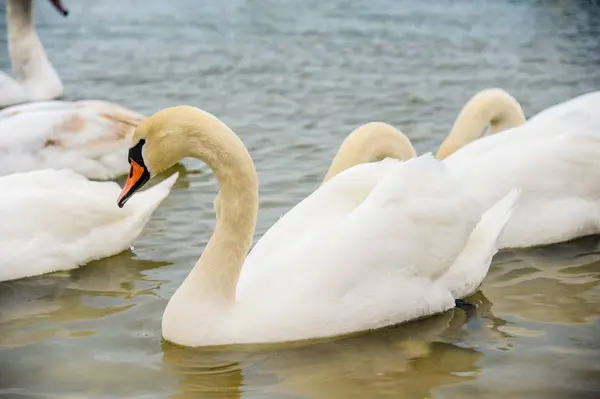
<point x="138" y="176"/>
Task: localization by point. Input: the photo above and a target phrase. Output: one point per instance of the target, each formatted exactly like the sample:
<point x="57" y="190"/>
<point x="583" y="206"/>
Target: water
<point x="292" y="78"/>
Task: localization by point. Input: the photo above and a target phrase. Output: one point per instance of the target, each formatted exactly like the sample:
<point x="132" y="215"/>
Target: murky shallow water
<point x="293" y="78"/>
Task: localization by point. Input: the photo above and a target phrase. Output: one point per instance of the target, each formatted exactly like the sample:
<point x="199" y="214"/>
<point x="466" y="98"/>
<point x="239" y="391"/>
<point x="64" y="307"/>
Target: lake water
<point x="292" y="78"/>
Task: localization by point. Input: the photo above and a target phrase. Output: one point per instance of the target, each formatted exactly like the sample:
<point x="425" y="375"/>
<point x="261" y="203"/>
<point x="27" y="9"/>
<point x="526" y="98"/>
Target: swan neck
<point x="217" y="271"/>
<point x="19" y="17"/>
<point x="372" y="141"/>
<point x="493" y="107"/>
<point x="29" y="62"/>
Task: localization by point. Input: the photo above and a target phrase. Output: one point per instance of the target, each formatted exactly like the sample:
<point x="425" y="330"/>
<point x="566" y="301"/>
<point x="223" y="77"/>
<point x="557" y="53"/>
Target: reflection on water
<point x="293" y="78"/>
<point x="95" y="331"/>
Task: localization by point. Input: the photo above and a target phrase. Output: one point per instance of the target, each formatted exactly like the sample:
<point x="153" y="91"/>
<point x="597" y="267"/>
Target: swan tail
<point x="472" y="264"/>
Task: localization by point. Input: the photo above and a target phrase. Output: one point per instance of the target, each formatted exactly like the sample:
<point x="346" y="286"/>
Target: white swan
<point x="89" y="137"/>
<point x="58" y="220"/>
<point x="36" y="79"/>
<point x="554" y="157"/>
<point x="407" y="248"/>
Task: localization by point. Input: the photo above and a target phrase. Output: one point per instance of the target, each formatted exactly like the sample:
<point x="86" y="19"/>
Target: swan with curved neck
<point x="490" y="106"/>
<point x="36" y="78"/>
<point x="336" y="280"/>
<point x="374" y="140"/>
<point x="554" y="158"/>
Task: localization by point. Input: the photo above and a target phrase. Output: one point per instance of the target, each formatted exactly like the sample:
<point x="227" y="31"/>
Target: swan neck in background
<point x="28" y="59"/>
<point x="217" y="271"/>
<point x="372" y="141"/>
<point x="492" y="106"/>
<point x="19" y="17"/>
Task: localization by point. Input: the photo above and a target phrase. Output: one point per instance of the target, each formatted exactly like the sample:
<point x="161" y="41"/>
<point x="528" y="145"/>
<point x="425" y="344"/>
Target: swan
<point x="36" y="78"/>
<point x="554" y="157"/>
<point x="89" y="137"/>
<point x="404" y="250"/>
<point x="58" y="220"/>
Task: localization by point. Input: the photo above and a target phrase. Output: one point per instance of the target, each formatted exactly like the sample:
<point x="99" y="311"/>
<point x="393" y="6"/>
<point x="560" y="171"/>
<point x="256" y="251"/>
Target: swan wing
<point x="326" y="206"/>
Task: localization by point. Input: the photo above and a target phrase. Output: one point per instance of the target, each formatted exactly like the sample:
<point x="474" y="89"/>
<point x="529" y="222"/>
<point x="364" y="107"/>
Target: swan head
<point x="159" y="142"/>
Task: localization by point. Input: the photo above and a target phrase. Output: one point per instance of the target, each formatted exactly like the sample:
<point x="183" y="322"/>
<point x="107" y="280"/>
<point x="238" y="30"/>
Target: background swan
<point x="58" y="220"/>
<point x="371" y="141"/>
<point x="554" y="157"/>
<point x="89" y="137"/>
<point x="407" y="250"/>
<point x="36" y="78"/>
<point x="493" y="108"/>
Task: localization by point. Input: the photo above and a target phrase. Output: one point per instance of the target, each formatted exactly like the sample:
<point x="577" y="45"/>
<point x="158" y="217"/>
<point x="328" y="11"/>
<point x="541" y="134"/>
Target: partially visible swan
<point x="493" y="107"/>
<point x="89" y="137"/>
<point x="36" y="78"/>
<point x="58" y="220"/>
<point x="371" y="141"/>
<point x="554" y="157"/>
<point x="406" y="249"/>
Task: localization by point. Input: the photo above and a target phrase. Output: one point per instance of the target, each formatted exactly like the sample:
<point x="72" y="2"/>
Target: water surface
<point x="292" y="78"/>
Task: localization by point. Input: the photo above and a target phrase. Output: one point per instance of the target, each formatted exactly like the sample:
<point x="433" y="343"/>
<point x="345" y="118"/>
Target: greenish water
<point x="292" y="78"/>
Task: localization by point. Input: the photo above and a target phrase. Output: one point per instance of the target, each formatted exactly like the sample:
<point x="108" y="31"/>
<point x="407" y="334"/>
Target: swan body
<point x="35" y="77"/>
<point x="58" y="220"/>
<point x="88" y="137"/>
<point x="555" y="158"/>
<point x="399" y="250"/>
